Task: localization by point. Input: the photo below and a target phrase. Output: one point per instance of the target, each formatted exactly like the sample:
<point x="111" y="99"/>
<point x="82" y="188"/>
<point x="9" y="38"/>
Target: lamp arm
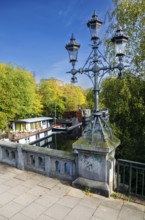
<point x="90" y="77"/>
<point x="89" y="57"/>
<point x="103" y="57"/>
<point x="101" y="77"/>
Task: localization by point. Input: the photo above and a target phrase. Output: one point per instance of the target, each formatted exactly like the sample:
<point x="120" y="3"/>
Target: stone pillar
<point x="20" y="158"/>
<point x="95" y="165"/>
<point x="47" y="165"/>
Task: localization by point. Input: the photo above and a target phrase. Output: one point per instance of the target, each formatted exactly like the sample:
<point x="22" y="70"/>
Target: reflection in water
<point x="62" y="140"/>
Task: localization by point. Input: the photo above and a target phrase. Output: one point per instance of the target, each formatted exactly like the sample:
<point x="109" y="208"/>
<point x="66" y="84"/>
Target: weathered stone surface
<point x="92" y="186"/>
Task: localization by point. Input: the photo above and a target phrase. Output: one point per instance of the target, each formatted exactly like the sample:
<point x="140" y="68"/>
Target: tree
<point x="18" y="93"/>
<point x="125" y="100"/>
<point x="74" y="97"/>
<point x="129" y="14"/>
<point x="66" y="97"/>
<point x="52" y="95"/>
<point x="90" y="98"/>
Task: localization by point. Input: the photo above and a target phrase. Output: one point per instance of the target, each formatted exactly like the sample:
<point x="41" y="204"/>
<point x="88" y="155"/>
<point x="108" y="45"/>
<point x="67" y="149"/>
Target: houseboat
<point x="30" y="130"/>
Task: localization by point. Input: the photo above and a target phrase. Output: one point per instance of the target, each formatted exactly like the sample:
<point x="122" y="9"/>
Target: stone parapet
<point x="54" y="163"/>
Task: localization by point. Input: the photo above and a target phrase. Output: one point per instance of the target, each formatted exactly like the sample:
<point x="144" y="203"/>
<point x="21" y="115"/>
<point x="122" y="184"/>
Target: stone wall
<point x="90" y="167"/>
<point x="53" y="163"/>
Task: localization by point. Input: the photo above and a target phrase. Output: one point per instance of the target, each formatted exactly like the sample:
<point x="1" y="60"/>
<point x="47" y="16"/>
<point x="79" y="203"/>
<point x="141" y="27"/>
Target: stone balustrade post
<point x="20" y="158"/>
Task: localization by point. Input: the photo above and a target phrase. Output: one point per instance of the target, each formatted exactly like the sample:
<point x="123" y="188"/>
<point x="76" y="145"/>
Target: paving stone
<point x="68" y="218"/>
<point x="113" y="203"/>
<point x="81" y="212"/>
<point x="38" y="191"/>
<point x="130" y="213"/>
<point x="64" y="188"/>
<point x="10" y="209"/>
<point x="19" y="216"/>
<point x="6" y="197"/>
<point x="135" y="206"/>
<point x="95" y="218"/>
<point x="59" y="191"/>
<point x="48" y="184"/>
<point x="25" y="176"/>
<point x="4" y="188"/>
<point x="27" y="195"/>
<point x="76" y="193"/>
<point x="69" y="201"/>
<point x="57" y="211"/>
<point x="14" y="170"/>
<point x="2" y="218"/>
<point x="90" y="202"/>
<point x="18" y="190"/>
<point x="33" y="210"/>
<point x="25" y="199"/>
<point x="3" y="169"/>
<point x="47" y="200"/>
<point x="105" y="212"/>
<point x="45" y="217"/>
<point x="30" y="183"/>
<point x="39" y="177"/>
<point x="1" y="179"/>
<point x="8" y="175"/>
<point x="13" y="182"/>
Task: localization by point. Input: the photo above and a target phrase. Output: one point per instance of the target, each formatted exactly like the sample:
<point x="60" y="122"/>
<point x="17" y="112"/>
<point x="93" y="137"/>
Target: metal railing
<point x="131" y="178"/>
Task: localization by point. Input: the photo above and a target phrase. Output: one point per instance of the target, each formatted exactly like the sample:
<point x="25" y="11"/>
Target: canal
<point x="61" y="140"/>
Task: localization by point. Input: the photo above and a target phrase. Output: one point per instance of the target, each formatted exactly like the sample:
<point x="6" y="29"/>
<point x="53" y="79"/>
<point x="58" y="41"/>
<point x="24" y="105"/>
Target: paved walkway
<point x="27" y="195"/>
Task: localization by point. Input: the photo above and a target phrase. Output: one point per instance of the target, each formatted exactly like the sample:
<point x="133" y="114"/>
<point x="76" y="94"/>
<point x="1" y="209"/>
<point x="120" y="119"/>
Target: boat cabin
<point x="31" y="124"/>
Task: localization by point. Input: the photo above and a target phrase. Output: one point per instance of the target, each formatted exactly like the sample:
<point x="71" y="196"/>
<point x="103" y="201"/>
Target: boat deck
<point x="15" y="136"/>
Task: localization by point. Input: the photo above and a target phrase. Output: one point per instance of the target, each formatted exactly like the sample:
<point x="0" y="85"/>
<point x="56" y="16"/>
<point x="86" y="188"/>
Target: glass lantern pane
<point x="73" y="55"/>
<point x="95" y="30"/>
<point x="120" y="47"/>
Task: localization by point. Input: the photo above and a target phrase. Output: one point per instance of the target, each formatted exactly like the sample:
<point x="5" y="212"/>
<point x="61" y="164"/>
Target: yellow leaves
<point x="74" y="96"/>
<point x="67" y="97"/>
<point x="18" y="92"/>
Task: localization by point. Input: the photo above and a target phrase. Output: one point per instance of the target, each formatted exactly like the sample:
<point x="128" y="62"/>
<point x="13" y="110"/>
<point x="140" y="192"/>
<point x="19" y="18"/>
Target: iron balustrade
<point x="131" y="177"/>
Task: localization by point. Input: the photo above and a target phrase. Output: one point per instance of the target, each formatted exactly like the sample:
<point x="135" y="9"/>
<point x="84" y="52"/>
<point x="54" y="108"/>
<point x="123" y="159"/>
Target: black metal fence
<point x="131" y="177"/>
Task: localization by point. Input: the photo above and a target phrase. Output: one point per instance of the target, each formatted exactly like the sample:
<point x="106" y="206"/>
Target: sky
<point x="33" y="34"/>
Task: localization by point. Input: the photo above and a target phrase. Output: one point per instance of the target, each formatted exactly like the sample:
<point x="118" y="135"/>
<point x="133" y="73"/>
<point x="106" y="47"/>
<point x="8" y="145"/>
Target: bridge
<point x="27" y="195"/>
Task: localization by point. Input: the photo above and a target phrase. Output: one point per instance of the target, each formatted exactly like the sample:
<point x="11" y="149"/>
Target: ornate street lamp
<point x="120" y="41"/>
<point x="96" y="72"/>
<point x="72" y="49"/>
<point x="94" y="25"/>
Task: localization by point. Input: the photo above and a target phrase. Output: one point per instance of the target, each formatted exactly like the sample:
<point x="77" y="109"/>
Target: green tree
<point x="18" y="93"/>
<point x="74" y="97"/>
<point x="130" y="15"/>
<point x="90" y="98"/>
<point x="52" y="95"/>
<point x="125" y="100"/>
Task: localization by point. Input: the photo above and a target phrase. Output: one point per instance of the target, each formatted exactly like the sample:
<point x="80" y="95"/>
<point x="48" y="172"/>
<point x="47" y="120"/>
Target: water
<point x="62" y="140"/>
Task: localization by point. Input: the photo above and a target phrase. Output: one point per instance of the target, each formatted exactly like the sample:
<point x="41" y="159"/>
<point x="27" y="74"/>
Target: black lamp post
<point x="96" y="72"/>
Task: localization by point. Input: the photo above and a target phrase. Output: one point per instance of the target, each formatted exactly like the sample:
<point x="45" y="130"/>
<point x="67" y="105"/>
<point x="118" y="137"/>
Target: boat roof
<point x="29" y="120"/>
